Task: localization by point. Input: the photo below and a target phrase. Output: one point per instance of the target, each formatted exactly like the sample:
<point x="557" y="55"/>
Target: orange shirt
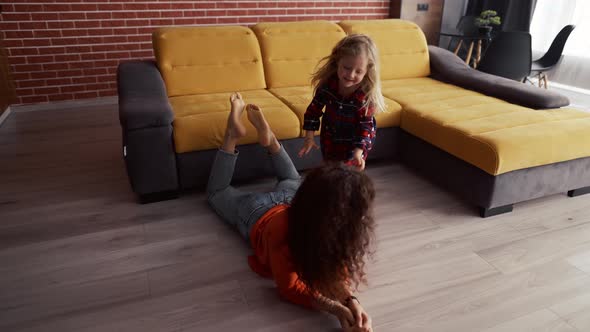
<point x="272" y="258"/>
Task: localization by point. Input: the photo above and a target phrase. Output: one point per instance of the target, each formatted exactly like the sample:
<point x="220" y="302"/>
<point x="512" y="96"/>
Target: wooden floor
<point x="78" y="254"/>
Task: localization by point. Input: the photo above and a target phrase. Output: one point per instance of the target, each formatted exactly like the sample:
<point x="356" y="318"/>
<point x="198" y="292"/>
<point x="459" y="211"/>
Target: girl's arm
<point x="311" y="121"/>
<point x="364" y="130"/>
<point x="311" y="118"/>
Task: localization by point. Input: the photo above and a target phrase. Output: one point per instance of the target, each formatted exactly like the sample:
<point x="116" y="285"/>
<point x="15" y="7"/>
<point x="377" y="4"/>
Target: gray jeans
<point x="242" y="209"/>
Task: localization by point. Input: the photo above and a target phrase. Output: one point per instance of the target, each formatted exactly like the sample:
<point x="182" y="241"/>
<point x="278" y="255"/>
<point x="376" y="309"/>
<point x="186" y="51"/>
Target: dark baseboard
<point x="578" y="192"/>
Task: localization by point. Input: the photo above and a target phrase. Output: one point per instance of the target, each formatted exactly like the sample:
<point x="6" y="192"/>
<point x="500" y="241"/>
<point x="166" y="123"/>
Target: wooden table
<point x="474" y="41"/>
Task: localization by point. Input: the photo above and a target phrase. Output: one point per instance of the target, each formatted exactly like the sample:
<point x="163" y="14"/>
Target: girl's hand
<point x="357" y="159"/>
<point x="308" y="144"/>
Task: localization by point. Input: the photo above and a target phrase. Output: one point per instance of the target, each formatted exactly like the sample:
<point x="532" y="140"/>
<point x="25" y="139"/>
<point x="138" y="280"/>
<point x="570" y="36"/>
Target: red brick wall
<point x="69" y="49"/>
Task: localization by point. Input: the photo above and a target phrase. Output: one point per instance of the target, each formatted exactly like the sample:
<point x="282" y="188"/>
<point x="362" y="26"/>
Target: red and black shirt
<point x="347" y="123"/>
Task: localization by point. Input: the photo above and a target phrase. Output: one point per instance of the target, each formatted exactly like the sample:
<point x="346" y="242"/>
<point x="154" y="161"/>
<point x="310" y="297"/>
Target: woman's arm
<point x="361" y="317"/>
<point x="343" y="313"/>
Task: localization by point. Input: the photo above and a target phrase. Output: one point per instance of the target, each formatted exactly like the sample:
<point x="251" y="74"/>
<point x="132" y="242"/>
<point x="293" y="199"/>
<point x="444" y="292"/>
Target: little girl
<point x="348" y="85"/>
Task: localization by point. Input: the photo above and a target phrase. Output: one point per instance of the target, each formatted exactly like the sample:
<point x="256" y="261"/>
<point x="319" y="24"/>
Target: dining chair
<point x="509" y="55"/>
<point x="466" y="25"/>
<point x="551" y="57"/>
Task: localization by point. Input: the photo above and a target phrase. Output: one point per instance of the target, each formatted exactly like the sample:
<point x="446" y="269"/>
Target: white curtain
<point x="549" y="18"/>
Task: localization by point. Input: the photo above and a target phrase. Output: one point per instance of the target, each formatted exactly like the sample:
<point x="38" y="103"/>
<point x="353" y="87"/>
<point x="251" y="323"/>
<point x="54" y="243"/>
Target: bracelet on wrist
<point x="349" y="299"/>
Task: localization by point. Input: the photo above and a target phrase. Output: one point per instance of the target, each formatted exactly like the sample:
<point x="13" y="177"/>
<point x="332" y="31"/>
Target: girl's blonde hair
<point x="354" y="45"/>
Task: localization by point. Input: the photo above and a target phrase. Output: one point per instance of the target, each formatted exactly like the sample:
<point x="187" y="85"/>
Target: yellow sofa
<point x="486" y="143"/>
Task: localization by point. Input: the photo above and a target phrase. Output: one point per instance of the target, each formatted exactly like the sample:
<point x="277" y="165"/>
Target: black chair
<point x="467" y="26"/>
<point x="509" y="55"/>
<point x="551" y="58"/>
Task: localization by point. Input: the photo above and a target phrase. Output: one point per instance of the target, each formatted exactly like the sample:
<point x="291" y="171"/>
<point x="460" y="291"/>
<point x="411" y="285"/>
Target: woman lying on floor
<point x="311" y="237"/>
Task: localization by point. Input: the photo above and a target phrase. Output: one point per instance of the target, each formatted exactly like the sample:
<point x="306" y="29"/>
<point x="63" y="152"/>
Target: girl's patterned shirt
<point x="347" y="122"/>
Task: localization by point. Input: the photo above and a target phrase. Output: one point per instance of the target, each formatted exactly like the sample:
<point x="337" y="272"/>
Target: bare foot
<point x="255" y="116"/>
<point x="235" y="127"/>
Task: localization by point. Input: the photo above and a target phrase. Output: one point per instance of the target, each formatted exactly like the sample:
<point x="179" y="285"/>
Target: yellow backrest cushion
<point x="292" y="50"/>
<point x="403" y="51"/>
<point x="196" y="60"/>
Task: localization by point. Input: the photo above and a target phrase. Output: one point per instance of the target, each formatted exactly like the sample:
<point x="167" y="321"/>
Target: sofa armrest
<point x="143" y="101"/>
<point x="146" y="119"/>
<point x="447" y="67"/>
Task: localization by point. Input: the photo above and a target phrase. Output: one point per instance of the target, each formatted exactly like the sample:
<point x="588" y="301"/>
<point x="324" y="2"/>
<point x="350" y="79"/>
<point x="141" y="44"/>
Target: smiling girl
<point x="348" y="85"/>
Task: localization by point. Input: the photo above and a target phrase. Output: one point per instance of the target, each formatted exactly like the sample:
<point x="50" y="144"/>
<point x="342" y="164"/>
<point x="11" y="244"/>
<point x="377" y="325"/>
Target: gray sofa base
<point x="493" y="194"/>
<point x="253" y="162"/>
<point x="158" y="197"/>
<point x="150" y="160"/>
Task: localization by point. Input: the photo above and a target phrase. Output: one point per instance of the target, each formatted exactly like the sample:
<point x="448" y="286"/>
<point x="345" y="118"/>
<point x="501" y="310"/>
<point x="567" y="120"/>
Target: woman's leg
<point x="287" y="175"/>
<point x="223" y="198"/>
<point x="238" y="208"/>
<point x="222" y="170"/>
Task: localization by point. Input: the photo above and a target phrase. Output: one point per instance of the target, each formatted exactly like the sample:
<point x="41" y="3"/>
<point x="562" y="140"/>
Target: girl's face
<point x="351" y="71"/>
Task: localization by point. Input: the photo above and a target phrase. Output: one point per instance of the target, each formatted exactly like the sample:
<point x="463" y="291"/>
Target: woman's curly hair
<point x="331" y="228"/>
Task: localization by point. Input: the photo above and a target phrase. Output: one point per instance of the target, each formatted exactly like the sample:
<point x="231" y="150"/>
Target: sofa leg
<point x="486" y="212"/>
<point x="578" y="192"/>
<point x="158" y="197"/>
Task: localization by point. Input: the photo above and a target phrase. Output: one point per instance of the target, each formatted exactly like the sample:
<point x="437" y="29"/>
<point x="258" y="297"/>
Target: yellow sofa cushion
<point x="298" y="98"/>
<point x="200" y="120"/>
<point x="196" y="60"/>
<point x="403" y="51"/>
<point x="489" y="133"/>
<point x="411" y="91"/>
<point x="292" y="50"/>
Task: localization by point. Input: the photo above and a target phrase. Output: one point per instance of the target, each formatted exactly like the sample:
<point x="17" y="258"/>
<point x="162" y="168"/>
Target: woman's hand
<point x="357" y="329"/>
<point x="308" y="144"/>
<point x="362" y="319"/>
<point x="344" y="315"/>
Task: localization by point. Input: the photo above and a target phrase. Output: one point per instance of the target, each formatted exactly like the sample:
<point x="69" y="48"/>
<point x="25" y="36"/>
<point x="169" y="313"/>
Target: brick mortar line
<point x="63" y="85"/>
<point x="160" y="26"/>
<point x="68" y="45"/>
<point x="193" y="9"/>
<point x="204" y="16"/>
<point x="187" y="9"/>
<point x="106" y="44"/>
<point x="181" y="2"/>
<point x="58" y="54"/>
<point x="175" y="2"/>
<point x="163" y="18"/>
<point x="57" y="78"/>
<point x="71" y="61"/>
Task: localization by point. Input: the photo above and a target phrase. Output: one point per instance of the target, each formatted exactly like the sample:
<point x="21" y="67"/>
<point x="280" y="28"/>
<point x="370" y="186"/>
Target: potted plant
<point x="486" y="19"/>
